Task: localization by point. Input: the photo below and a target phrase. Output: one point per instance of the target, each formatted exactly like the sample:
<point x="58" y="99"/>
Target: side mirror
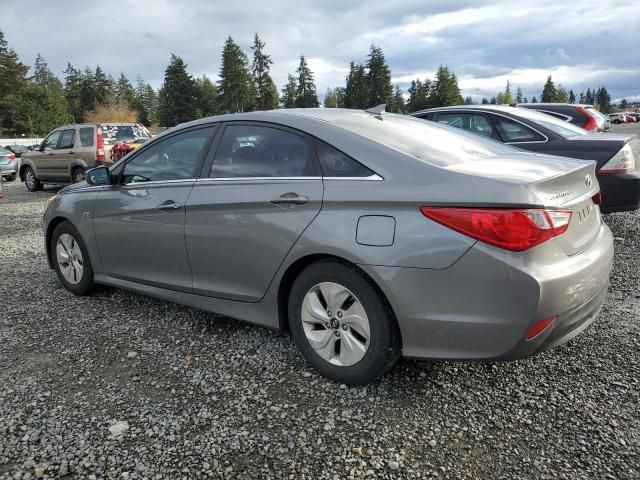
<point x="98" y="176"/>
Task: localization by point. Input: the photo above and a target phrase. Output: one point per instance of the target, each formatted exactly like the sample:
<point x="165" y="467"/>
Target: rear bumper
<point x="8" y="169"/>
<point x="481" y="307"/>
<point x="620" y="191"/>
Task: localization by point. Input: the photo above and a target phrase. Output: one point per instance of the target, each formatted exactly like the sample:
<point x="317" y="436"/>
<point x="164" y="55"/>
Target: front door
<point x="63" y="155"/>
<point x="139" y="222"/>
<point x="43" y="159"/>
<point x="261" y="192"/>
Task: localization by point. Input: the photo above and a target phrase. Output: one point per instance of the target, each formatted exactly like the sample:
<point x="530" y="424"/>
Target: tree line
<point x="37" y="103"/>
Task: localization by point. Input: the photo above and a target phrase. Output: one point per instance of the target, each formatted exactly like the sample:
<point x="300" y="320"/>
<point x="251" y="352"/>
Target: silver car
<point x="368" y="235"/>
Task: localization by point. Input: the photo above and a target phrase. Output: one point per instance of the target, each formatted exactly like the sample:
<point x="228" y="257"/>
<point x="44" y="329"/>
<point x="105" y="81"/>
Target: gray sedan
<point x="368" y="235"/>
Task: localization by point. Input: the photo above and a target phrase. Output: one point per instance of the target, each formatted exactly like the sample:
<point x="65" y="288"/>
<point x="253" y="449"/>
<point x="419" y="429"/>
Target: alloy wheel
<point x="335" y="324"/>
<point x="30" y="179"/>
<point x="69" y="258"/>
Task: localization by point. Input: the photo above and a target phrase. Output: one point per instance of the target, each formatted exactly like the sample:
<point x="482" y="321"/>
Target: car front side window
<point x="51" y="141"/>
<point x="257" y="151"/>
<point x="173" y="158"/>
<point x="515" y="132"/>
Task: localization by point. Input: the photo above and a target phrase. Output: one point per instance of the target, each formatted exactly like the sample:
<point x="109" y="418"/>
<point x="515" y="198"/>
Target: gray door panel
<point x="140" y="233"/>
<point x="239" y="231"/>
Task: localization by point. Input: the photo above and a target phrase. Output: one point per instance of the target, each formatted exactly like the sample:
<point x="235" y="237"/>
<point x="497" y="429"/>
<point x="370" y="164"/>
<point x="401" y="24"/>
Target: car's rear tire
<point x="71" y="260"/>
<point x="31" y="181"/>
<point x="77" y="175"/>
<point x="342" y="324"/>
<point x="617" y="122"/>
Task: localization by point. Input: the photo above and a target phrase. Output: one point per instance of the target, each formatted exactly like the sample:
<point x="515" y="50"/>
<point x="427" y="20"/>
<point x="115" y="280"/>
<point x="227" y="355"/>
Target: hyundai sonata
<point x="368" y="235"/>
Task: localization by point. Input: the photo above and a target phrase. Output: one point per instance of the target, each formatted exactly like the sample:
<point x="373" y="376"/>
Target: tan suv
<point x="68" y="151"/>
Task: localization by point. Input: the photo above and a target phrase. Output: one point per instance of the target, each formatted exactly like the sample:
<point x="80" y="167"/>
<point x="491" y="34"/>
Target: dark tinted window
<point x="256" y="151"/>
<point x="334" y="163"/>
<point x="86" y="136"/>
<point x="174" y="158"/>
<point x="513" y="131"/>
<point x="66" y="141"/>
<point x="51" y="141"/>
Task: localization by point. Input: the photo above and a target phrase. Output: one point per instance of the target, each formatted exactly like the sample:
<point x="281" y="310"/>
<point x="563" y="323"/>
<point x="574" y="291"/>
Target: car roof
<point x="555" y="104"/>
<point x="492" y="107"/>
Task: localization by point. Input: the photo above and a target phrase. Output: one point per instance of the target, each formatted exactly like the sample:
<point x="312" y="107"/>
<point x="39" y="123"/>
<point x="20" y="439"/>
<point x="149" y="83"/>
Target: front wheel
<point x="31" y="181"/>
<point x="71" y="259"/>
<point x="341" y="323"/>
<point x="617" y="122"/>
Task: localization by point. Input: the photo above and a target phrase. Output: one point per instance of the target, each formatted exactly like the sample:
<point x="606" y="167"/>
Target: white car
<point x="617" y="118"/>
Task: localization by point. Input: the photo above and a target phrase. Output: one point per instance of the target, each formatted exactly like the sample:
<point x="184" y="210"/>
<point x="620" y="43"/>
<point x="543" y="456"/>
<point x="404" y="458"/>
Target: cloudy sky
<point x="581" y="43"/>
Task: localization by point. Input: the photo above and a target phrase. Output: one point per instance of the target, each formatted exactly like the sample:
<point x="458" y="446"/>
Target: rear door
<point x="139" y="223"/>
<point x="257" y="194"/>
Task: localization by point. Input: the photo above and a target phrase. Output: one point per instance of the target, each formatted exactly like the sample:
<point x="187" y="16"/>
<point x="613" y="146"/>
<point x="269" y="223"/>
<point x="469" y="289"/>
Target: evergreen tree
<point x="624" y="103"/>
<point x="306" y="96"/>
<point x="356" y="92"/>
<point x="330" y="98"/>
<point x="206" y="98"/>
<point x="561" y="95"/>
<point x="288" y="97"/>
<point x="73" y="92"/>
<point x="525" y="100"/>
<point x="378" y="78"/>
<point x="469" y="101"/>
<point x="445" y="90"/>
<point x="103" y="85"/>
<point x="177" y="102"/>
<point x="418" y="95"/>
<point x="604" y="100"/>
<point x="485" y="101"/>
<point x="519" y="97"/>
<point x="507" y="98"/>
<point x="534" y="99"/>
<point x="549" y="92"/>
<point x="237" y="91"/>
<point x="493" y="101"/>
<point x="572" y="97"/>
<point x="266" y="91"/>
<point x="588" y="97"/>
<point x="397" y="102"/>
<point x="124" y="91"/>
<point x="42" y="105"/>
<point x="12" y="83"/>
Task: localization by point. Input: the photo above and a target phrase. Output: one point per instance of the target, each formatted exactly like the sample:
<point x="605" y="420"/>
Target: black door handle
<point x="169" y="205"/>
<point x="71" y="152"/>
<point x="290" y="198"/>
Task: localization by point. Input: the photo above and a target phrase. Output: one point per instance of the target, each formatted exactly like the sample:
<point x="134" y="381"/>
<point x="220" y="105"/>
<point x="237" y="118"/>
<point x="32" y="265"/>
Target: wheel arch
<point x="23" y="167"/>
<point x="295" y="269"/>
<point x="51" y="226"/>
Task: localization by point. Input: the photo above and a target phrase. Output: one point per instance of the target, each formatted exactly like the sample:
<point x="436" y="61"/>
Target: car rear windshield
<point x="430" y="142"/>
<point x="133" y="133"/>
<point x="564" y="129"/>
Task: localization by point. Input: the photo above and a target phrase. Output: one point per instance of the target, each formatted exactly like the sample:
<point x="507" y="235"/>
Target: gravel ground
<point x="117" y="385"/>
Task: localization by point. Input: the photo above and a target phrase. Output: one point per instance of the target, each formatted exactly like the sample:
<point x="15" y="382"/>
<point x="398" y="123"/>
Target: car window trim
<point x="206" y="168"/>
<point x="120" y="167"/>
<point x="546" y="138"/>
<point x="316" y="141"/>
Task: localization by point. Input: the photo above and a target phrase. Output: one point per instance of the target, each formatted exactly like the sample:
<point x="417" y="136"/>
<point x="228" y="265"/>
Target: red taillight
<point x="539" y="327"/>
<point x="511" y="229"/>
<point x="591" y="123"/>
<point x="11" y="156"/>
<point x="597" y="198"/>
<point x="99" y="144"/>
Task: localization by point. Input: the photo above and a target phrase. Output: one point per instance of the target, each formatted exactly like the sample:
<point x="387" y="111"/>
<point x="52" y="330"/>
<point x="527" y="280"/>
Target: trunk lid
<point x="559" y="183"/>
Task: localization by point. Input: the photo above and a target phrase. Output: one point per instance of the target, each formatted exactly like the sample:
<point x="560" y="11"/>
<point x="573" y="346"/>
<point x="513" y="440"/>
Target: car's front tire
<point x="341" y="323"/>
<point x="31" y="181"/>
<point x="71" y="260"/>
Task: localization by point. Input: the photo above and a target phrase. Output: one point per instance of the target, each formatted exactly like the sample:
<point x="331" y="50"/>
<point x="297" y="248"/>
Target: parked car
<point x="17" y="149"/>
<point x="582" y="115"/>
<point x="630" y="118"/>
<point x="369" y="235"/>
<point x="8" y="164"/>
<point x="617" y="118"/>
<point x="68" y="151"/>
<point x="601" y="118"/>
<point x="617" y="155"/>
<point x="1" y="187"/>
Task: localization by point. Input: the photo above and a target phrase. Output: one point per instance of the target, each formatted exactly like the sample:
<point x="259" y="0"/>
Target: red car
<point x="631" y="119"/>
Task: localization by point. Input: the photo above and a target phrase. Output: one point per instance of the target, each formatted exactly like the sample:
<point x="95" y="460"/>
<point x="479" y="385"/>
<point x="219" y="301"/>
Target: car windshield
<point x="564" y="129"/>
<point x="430" y="142"/>
<point x="113" y="134"/>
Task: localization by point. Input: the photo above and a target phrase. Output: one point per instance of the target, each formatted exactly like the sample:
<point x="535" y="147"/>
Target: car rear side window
<point x="86" y="136"/>
<point x="473" y="122"/>
<point x="515" y="132"/>
<point x="258" y="151"/>
<point x="66" y="140"/>
<point x="334" y="163"/>
<point x="173" y="158"/>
